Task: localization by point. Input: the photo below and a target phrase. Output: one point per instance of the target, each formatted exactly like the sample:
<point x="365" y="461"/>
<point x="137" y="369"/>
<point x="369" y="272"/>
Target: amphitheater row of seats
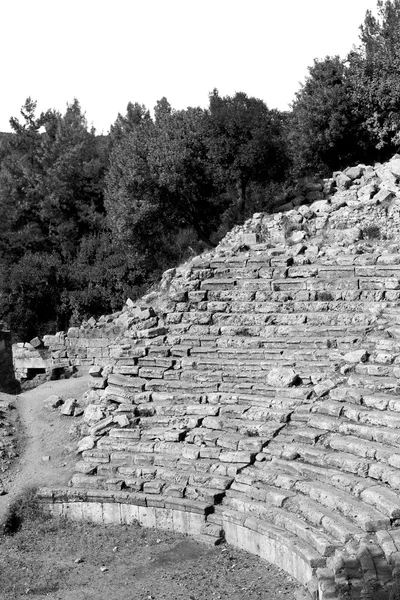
<point x="263" y="410"/>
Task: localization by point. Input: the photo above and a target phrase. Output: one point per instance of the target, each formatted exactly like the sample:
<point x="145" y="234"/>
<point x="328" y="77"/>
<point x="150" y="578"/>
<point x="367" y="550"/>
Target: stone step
<point x="370" y="491"/>
<point x="284" y="474"/>
<point x="306" y="307"/>
<point x="320" y="541"/>
<point x="271" y="542"/>
<point x="333" y="468"/>
<point x="316" y="318"/>
<point x="374" y="383"/>
<point x="228" y="363"/>
<point x="364" y="516"/>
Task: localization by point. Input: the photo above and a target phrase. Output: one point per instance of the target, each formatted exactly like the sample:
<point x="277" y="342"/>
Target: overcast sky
<point x="109" y="52"/>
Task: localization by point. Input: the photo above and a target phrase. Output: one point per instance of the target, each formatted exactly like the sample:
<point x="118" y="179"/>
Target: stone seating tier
<point x="257" y="403"/>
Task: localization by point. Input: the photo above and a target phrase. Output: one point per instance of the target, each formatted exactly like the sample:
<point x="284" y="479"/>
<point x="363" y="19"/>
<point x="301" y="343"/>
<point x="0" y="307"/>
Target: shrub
<point x="324" y="297"/>
<point x="370" y="232"/>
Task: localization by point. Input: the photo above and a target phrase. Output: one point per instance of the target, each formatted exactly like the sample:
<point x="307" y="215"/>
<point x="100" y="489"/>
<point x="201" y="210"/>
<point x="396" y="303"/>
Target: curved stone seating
<point x="259" y="405"/>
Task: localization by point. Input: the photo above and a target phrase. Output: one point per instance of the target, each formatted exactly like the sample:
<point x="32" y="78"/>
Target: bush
<point x="370" y="232"/>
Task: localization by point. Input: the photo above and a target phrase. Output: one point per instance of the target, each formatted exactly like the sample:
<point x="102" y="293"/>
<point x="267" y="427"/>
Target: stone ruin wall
<point x="255" y="397"/>
<point x="8" y="384"/>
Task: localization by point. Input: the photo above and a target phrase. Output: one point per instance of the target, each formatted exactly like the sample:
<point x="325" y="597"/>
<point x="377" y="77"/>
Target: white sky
<point x="109" y="52"/>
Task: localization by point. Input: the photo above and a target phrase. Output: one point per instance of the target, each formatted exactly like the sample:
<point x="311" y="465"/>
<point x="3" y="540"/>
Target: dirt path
<point x="48" y="443"/>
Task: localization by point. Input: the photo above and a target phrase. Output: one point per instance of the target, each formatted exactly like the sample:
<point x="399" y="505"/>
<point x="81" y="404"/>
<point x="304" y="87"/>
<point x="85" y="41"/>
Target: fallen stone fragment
<point x="53" y="401"/>
<point x="282" y="377"/>
<point x="356" y="356"/>
<point x="249" y="239"/>
<point x="121" y="420"/>
<point x="101" y="426"/>
<point x="78" y="410"/>
<point x="36" y="342"/>
<point x="93" y="414"/>
<point x="86" y="443"/>
<point x="297" y="236"/>
<point x="321" y="389"/>
<point x="95" y="371"/>
<point x="87" y="468"/>
<point x="69" y="406"/>
<point x="343" y="182"/>
<point x="354" y="172"/>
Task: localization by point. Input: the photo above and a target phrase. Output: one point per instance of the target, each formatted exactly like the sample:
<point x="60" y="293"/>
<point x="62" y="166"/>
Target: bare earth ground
<point x="58" y="560"/>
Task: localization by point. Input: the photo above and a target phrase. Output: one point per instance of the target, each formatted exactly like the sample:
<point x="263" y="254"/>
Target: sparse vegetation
<point x="324" y="297"/>
<point x="24" y="508"/>
<point x="370" y="232"/>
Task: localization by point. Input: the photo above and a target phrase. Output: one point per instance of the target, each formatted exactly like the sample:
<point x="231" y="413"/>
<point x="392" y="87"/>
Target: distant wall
<point x="8" y="383"/>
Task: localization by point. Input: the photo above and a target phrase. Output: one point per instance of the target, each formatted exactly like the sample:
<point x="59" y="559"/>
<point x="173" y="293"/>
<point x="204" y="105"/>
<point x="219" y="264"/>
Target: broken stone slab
<point x="384" y="195"/>
<point x="343" y="182"/>
<point x="394" y="166"/>
<point x="101" y="426"/>
<point x="36" y="342"/>
<point x="69" y="406"/>
<point x="151" y="333"/>
<point x="96" y="371"/>
<point x="282" y="377"/>
<point x="78" y="410"/>
<point x="122" y="381"/>
<point x="97" y="383"/>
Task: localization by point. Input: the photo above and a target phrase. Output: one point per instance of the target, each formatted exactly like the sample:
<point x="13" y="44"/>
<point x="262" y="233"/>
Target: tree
<point x="325" y="131"/>
<point x="158" y="180"/>
<point x="245" y="143"/>
<point x="51" y="197"/>
<point x="179" y="164"/>
<point x="374" y="71"/>
<point x="71" y="185"/>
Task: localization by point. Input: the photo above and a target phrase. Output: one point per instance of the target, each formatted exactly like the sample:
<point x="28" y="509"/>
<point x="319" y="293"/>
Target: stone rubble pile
<point x="255" y="397"/>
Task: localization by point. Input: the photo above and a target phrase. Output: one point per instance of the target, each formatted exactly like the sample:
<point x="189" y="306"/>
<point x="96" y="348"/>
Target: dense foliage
<point x="87" y="220"/>
<point x="348" y="110"/>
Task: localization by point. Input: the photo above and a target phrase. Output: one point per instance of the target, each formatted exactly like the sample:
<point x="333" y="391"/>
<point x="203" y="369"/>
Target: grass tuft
<point x="25" y="507"/>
